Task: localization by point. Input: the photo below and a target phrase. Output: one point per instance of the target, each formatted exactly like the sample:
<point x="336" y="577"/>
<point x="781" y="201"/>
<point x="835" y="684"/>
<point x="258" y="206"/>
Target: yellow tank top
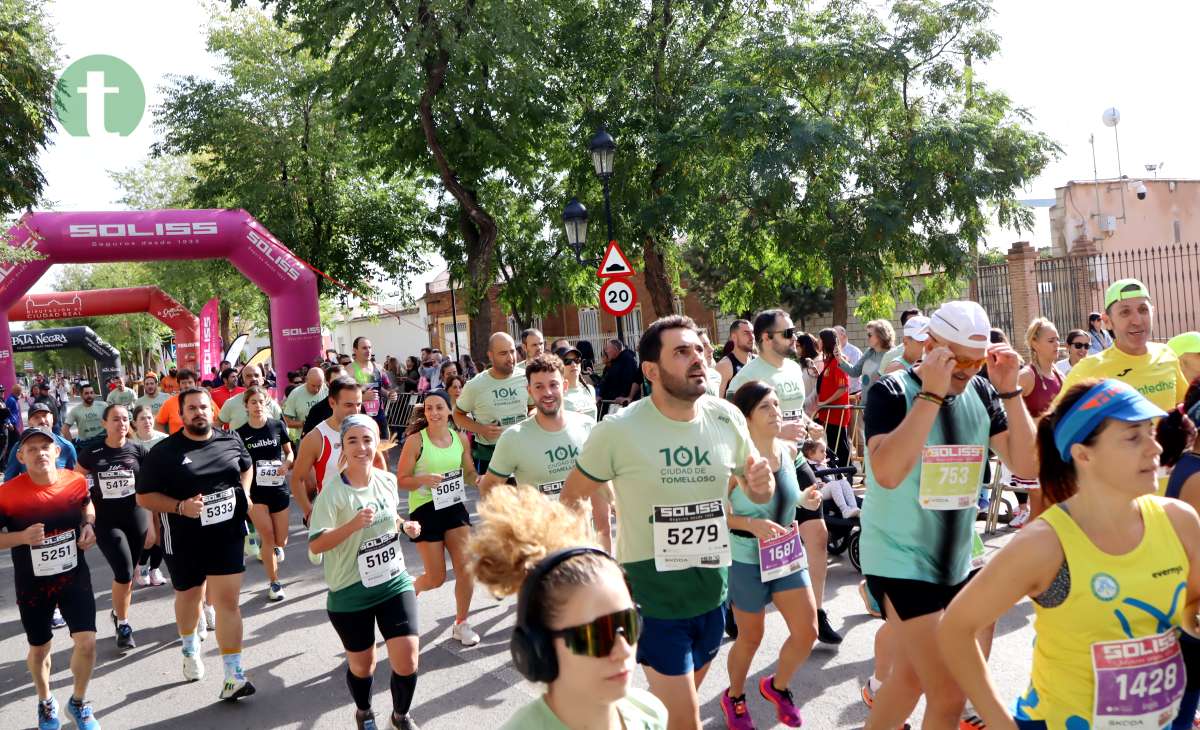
<point x="1110" y="598"/>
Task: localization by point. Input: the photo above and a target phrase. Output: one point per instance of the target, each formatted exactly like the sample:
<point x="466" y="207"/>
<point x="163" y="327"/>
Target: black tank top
<point x="737" y="364"/>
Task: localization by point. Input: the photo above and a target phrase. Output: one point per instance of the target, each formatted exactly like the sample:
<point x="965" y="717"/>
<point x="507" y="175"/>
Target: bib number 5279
<point x="697" y="535"/>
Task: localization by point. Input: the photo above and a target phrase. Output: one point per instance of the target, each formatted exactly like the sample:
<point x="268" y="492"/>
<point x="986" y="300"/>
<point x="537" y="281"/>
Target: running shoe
<point x="193" y="668"/>
<point x="464" y="634"/>
<point x="81" y="713"/>
<point x="1019" y="519"/>
<point x="280" y="555"/>
<point x="971" y="721"/>
<point x="737" y="715"/>
<point x="156" y="578"/>
<point x="275" y="593"/>
<point x="404" y="722"/>
<point x="365" y="720"/>
<point x="125" y="640"/>
<point x="57" y="621"/>
<point x="251" y="547"/>
<point x="143" y="576"/>
<point x="825" y="631"/>
<point x="236" y="688"/>
<point x="785" y="706"/>
<point x="47" y="715"/>
<point x="868" y="695"/>
<point x="210" y="616"/>
<point x="202" y="629"/>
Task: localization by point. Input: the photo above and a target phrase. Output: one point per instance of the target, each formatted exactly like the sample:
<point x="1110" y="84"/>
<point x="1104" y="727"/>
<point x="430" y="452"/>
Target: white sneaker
<point x="210" y="616"/>
<point x="202" y="628"/>
<point x="143" y="576"/>
<point x="193" y="668"/>
<point x="236" y="688"/>
<point x="1020" y="518"/>
<point x="280" y="555"/>
<point x="275" y="592"/>
<point x="157" y="578"/>
<point x="251" y="547"/>
<point x="464" y="634"/>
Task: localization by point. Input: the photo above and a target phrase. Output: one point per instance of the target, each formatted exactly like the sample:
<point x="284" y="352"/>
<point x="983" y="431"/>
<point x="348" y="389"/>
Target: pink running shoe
<point x="785" y="708"/>
<point x="737" y="715"/>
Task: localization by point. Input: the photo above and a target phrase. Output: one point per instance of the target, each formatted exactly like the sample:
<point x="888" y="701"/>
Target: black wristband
<point x="1009" y="395"/>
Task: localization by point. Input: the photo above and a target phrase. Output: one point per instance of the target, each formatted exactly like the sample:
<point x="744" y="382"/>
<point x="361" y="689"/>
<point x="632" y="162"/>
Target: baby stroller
<point x="843" y="531"/>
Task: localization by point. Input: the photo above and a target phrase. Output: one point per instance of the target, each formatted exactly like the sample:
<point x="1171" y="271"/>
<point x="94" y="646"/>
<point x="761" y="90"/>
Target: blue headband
<point x="1107" y="399"/>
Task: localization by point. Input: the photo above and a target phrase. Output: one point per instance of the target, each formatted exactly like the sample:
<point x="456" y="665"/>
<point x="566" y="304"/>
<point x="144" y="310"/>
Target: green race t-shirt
<point x="122" y="396"/>
<point x="788" y="381"/>
<point x="152" y="402"/>
<point x="581" y="399"/>
<point x="655" y="461"/>
<point x="495" y="401"/>
<point x="337" y="503"/>
<point x="88" y="420"/>
<point x="539" y="457"/>
<point x="234" y="413"/>
<point x="298" y="403"/>
<point x="712" y="380"/>
<point x="639" y="710"/>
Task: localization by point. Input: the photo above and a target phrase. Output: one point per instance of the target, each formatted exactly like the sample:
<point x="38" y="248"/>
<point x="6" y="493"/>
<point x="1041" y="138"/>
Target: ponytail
<point x="1058" y="478"/>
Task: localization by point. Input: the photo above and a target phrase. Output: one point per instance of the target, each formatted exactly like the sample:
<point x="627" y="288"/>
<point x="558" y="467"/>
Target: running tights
<point x="152" y="557"/>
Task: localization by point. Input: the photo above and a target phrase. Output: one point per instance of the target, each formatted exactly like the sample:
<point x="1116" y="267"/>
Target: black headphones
<point x="531" y="644"/>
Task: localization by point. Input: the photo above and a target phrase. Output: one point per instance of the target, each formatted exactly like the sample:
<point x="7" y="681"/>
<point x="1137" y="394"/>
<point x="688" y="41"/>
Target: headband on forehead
<point x="358" y="420"/>
<point x="440" y="394"/>
<point x="1107" y="399"/>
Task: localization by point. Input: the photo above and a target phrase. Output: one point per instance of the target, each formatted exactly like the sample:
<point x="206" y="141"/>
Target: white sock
<point x="122" y="622"/>
<point x="874" y="684"/>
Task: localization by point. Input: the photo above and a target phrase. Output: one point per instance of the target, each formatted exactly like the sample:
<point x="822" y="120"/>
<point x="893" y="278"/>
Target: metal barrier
<point x="849" y="430"/>
<point x="399" y="411"/>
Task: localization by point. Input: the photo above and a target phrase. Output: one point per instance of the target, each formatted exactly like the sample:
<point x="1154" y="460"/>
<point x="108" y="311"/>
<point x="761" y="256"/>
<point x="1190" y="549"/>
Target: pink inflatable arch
<point x="79" y="238"/>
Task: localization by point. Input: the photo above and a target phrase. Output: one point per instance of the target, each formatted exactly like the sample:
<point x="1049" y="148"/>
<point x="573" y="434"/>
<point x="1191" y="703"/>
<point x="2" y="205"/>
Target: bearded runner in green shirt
<point x="540" y="451"/>
<point x="670" y="458"/>
<point x="492" y="400"/>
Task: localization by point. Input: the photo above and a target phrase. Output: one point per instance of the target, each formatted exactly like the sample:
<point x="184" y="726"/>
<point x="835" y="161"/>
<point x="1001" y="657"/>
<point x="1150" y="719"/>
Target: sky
<point x="1065" y="61"/>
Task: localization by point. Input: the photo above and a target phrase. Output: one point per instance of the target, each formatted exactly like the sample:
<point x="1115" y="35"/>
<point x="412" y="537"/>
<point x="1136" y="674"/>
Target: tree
<point x="28" y="58"/>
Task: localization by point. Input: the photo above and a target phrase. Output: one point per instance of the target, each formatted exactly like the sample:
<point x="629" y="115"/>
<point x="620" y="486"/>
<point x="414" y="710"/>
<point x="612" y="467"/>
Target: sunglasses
<point x="1079" y="345"/>
<point x="788" y="334"/>
<point x="968" y="363"/>
<point x="570" y="361"/>
<point x="597" y="638"/>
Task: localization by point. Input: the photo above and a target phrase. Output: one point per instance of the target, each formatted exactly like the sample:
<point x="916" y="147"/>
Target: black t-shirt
<point x="887" y="405"/>
<point x="181" y="468"/>
<point x="112" y="476"/>
<point x="265" y="444"/>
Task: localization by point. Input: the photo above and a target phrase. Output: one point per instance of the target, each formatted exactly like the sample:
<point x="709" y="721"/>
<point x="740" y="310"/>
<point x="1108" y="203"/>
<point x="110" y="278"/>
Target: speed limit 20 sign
<point x="618" y="297"/>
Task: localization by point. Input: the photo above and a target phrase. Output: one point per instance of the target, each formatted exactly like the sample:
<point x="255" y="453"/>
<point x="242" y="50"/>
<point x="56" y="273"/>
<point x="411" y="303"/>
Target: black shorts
<point x="397" y="616"/>
<point x="804" y="514"/>
<point x="192" y="563"/>
<point x="435" y="523"/>
<point x="74" y="597"/>
<point x="912" y="598"/>
<point x="275" y="499"/>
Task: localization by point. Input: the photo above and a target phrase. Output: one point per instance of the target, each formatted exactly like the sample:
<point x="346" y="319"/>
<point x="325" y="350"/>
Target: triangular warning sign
<point x="614" y="263"/>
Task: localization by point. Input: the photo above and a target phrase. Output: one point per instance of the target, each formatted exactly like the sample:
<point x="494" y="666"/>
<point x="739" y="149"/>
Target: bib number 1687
<point x="692" y="535"/>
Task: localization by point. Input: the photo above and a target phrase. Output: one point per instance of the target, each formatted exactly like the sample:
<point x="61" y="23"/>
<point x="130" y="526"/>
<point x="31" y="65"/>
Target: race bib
<point x="507" y="421"/>
<point x="781" y="556"/>
<point x="115" y="483"/>
<point x="450" y="491"/>
<point x="950" y="476"/>
<point x="268" y="473"/>
<point x="55" y="555"/>
<point x="793" y="415"/>
<point x="218" y="507"/>
<point x="691" y="535"/>
<point x="380" y="560"/>
<point x="552" y="490"/>
<point x="1139" y="682"/>
<point x="371" y="406"/>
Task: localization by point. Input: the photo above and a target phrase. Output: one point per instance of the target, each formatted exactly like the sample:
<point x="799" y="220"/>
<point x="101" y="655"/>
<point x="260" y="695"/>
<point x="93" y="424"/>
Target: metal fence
<point x="992" y="285"/>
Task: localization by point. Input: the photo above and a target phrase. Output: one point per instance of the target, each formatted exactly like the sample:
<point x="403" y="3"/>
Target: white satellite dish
<point x="1111" y="117"/>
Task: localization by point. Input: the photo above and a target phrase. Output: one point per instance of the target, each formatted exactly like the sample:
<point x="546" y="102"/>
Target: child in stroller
<point x="835" y="485"/>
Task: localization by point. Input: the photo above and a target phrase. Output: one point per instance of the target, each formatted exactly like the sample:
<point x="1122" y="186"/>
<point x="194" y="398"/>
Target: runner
<point x="711" y="374"/>
<point x="227" y="389"/>
<point x="234" y="413"/>
<point x="48" y="522"/>
<point x="775" y="337"/>
<point x="121" y="394"/>
<point x="577" y="625"/>
<point x="111" y="466"/>
<point x="86" y="417"/>
<point x="493" y="400"/>
<point x="1187" y="347"/>
<point x="1152" y="368"/>
<point x="435" y="469"/>
<point x="169" y="418"/>
<point x="1040" y="384"/>
<point x="909" y="351"/>
<point x="41" y="416"/>
<point x="374" y="381"/>
<point x="578" y="396"/>
<point x="321" y="448"/>
<point x="199" y="479"/>
<point x="540" y="451"/>
<point x="271" y="451"/>
<point x="170" y="381"/>
<point x="670" y="457"/>
<point x="742" y="336"/>
<point x="1108" y="568"/>
<point x="150" y="562"/>
<point x="323" y="409"/>
<point x="928" y="431"/>
<point x="152" y="397"/>
<point x="535" y="344"/>
<point x="355" y="527"/>
<point x="769" y="564"/>
<point x="301" y="400"/>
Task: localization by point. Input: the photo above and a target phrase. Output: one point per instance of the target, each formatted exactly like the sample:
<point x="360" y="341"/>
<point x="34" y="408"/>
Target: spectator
<point x="833" y="389"/>
<point x="430" y="367"/>
<point x="852" y="354"/>
<point x="466" y="367"/>
<point x="1077" y="349"/>
<point x="445" y="371"/>
<point x="1099" y="338"/>
<point x="880" y="338"/>
<point x="622" y="378"/>
<point x="411" y="377"/>
<point x="588" y="363"/>
<point x="13" y="403"/>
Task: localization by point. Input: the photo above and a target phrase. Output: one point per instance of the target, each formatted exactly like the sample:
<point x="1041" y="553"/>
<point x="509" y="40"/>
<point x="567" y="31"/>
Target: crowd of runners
<point x="647" y="536"/>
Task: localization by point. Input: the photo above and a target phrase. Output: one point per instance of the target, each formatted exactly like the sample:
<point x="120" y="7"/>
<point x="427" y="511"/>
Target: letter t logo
<point x="95" y="91"/>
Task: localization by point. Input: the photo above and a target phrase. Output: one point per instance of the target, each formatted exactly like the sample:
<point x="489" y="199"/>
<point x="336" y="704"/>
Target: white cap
<point x="917" y="327"/>
<point x="963" y="323"/>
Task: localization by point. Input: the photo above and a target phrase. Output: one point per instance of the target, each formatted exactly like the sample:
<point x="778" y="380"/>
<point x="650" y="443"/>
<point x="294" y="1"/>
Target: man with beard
<point x="198" y="479"/>
<point x="541" y="450"/>
<point x="534" y="343"/>
<point x="742" y="336"/>
<point x="670" y="458"/>
<point x="87" y="417"/>
<point x="152" y="397"/>
<point x="233" y="413"/>
<point x="775" y="365"/>
<point x="493" y="400"/>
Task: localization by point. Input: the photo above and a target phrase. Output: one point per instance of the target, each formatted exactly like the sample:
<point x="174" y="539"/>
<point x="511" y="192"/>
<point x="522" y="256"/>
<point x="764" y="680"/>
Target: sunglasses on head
<point x="788" y="334"/>
<point x="597" y="638"/>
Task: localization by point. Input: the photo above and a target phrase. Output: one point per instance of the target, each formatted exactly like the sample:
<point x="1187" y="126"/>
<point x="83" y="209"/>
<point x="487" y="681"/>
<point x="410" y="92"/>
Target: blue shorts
<point x="677" y="646"/>
<point x="750" y="594"/>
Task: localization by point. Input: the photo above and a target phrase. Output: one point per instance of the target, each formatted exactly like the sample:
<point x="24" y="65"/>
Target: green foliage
<point x="28" y="57"/>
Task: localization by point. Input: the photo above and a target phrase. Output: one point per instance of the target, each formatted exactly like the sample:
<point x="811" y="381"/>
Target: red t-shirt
<point x="222" y="394"/>
<point x="833" y="377"/>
